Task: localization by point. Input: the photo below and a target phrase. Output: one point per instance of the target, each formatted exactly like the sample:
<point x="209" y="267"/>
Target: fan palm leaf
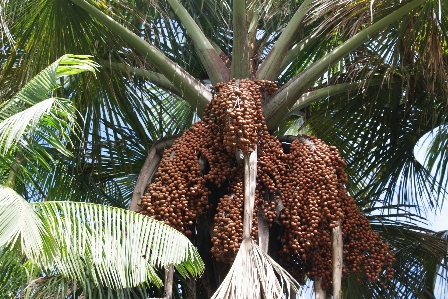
<point x="127" y="101"/>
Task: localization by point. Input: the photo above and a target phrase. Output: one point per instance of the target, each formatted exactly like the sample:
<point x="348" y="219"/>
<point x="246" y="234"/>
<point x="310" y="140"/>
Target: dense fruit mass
<point x="300" y="189"/>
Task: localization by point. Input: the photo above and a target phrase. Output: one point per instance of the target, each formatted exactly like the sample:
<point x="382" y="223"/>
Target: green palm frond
<point x="20" y="220"/>
<point x="107" y="246"/>
<point x="29" y="107"/>
<point x="36" y="126"/>
<point x="420" y="255"/>
<point x="40" y="114"/>
<point x="57" y="286"/>
<point x="50" y="286"/>
<point x="44" y="83"/>
<point x="61" y="182"/>
<point x="121" y="125"/>
<point x="14" y="271"/>
<point x="116" y="247"/>
<point x="109" y="97"/>
<point x="436" y="155"/>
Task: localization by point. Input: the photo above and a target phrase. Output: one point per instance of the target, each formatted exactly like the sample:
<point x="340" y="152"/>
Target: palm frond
<point x="28" y="108"/>
<point x="110" y="247"/>
<point x="44" y="83"/>
<point x="115" y="246"/>
<point x="50" y="286"/>
<point x="379" y="149"/>
<point x="57" y="286"/>
<point x="15" y="271"/>
<point x="436" y="155"/>
<point x="26" y="121"/>
<point x="253" y="273"/>
<point x="419" y="254"/>
<point x="20" y="220"/>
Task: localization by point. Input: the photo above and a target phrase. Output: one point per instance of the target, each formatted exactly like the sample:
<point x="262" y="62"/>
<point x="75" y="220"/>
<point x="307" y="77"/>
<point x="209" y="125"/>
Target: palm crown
<point x="368" y="77"/>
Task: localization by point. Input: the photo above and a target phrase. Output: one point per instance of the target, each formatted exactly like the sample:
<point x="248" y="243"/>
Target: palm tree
<point x="367" y="77"/>
<point x="70" y="248"/>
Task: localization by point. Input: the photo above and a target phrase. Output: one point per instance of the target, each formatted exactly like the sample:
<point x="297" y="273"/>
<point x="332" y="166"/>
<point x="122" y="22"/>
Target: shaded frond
<point x="376" y="133"/>
<point x="436" y="155"/>
<point x="43" y="84"/>
<point x="14" y="271"/>
<point x="420" y="255"/>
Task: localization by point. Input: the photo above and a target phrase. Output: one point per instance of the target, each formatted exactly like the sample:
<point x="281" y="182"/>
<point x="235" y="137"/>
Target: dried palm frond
<point x="256" y="275"/>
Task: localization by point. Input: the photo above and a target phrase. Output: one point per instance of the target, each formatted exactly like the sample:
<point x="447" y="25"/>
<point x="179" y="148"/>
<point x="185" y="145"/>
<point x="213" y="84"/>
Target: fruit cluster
<point x="300" y="189"/>
<point x="314" y="200"/>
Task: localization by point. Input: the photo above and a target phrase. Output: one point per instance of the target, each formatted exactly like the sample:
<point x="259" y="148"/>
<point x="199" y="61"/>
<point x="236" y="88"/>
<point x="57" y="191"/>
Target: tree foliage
<point x="366" y="76"/>
<point x="62" y="248"/>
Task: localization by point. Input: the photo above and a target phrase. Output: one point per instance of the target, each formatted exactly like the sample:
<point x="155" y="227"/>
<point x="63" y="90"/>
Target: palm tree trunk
<point x="169" y="272"/>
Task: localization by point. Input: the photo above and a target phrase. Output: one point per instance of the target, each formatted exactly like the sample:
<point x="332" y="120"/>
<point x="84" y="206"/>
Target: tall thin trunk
<point x="11" y="181"/>
<point x="169" y="273"/>
<point x="250" y="174"/>
<point x="337" y="250"/>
